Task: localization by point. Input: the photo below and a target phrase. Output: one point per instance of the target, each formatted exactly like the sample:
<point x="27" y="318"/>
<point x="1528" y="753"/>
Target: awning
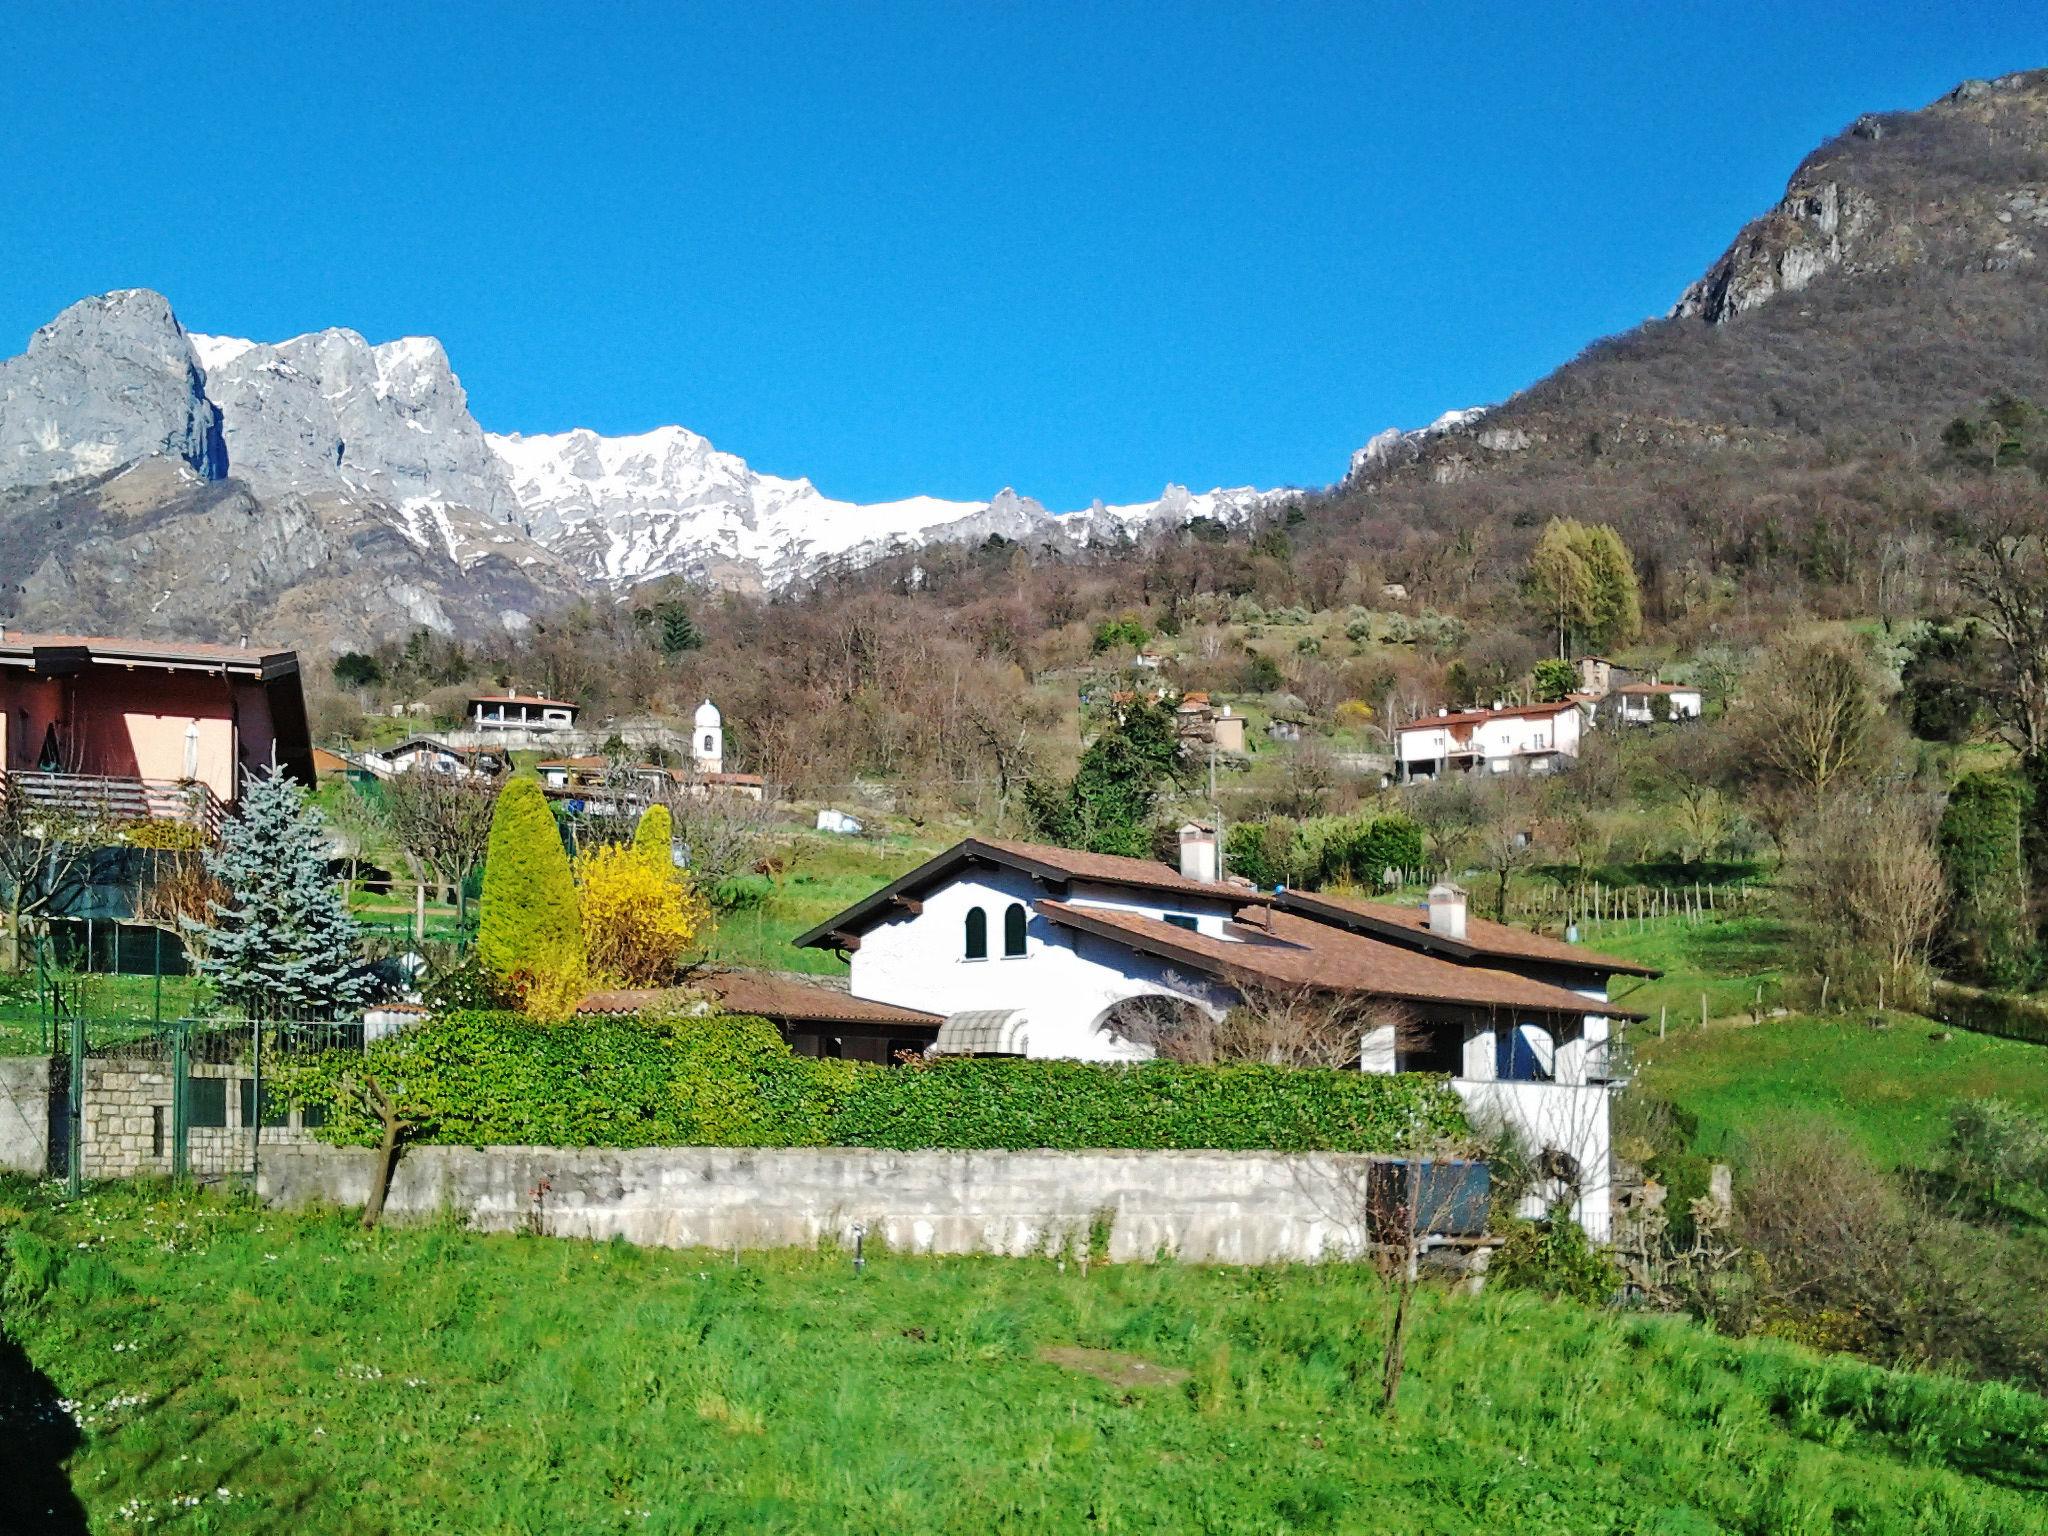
<point x="982" y="1032"/>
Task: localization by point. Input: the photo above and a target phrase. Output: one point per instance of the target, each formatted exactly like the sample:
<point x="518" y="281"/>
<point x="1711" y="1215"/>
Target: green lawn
<point x="829" y="875"/>
<point x="235" y="1370"/>
<point x="1891" y="1087"/>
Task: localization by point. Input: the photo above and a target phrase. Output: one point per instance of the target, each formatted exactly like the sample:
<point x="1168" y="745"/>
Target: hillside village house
<point x="1510" y="738"/>
<point x="433" y="755"/>
<point x="1027" y="950"/>
<point x="578" y="778"/>
<point x="521" y="712"/>
<point x="1636" y="703"/>
<point x="147" y="729"/>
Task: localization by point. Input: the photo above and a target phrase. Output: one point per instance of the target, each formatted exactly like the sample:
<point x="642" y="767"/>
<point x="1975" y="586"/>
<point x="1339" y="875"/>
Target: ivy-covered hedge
<point x="1156" y="1105"/>
<point x="1991" y="1013"/>
<point x="487" y="1079"/>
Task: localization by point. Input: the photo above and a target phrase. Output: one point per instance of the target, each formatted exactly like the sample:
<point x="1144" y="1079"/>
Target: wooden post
<point x="1663" y="1018"/>
<point x="1703" y="1010"/>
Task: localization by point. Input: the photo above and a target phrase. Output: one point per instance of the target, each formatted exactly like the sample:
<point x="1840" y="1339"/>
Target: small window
<point x="1182" y="920"/>
<point x="206" y="1103"/>
<point x="709" y="743"/>
<point x="977" y="934"/>
<point x="1014" y="922"/>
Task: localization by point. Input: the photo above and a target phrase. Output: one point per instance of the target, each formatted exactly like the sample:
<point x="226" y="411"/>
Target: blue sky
<point x="1077" y="250"/>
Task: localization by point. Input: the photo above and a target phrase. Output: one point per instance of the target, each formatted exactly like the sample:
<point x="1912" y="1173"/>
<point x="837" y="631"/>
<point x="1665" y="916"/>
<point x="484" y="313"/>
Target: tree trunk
<point x="395" y="1128"/>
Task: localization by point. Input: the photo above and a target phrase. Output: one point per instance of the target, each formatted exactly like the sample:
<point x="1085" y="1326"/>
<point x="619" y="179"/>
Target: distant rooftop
<point x="58" y="654"/>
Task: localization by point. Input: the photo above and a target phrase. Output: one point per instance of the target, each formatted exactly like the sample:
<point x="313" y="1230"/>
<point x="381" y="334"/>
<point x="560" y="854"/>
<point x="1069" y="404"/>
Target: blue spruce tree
<point x="282" y="946"/>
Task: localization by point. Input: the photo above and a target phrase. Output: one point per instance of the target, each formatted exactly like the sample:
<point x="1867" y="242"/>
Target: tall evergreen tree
<point x="282" y="945"/>
<point x="530" y="927"/>
<point x="654" y="836"/>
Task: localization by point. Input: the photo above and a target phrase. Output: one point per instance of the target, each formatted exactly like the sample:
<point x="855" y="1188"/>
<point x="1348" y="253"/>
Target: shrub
<point x="1984" y="932"/>
<point x="530" y="932"/>
<point x="1359" y="631"/>
<point x="483" y="1079"/>
<point x="973" y="1103"/>
<point x="654" y="838"/>
<point x="1121" y="631"/>
<point x="639" y="914"/>
<point x="1995" y="1147"/>
<point x="1555" y="1258"/>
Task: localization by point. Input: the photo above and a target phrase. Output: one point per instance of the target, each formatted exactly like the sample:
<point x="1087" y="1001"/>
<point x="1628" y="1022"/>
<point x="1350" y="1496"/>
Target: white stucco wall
<point x="1500" y="739"/>
<point x="1063" y="982"/>
<point x="1570" y="1118"/>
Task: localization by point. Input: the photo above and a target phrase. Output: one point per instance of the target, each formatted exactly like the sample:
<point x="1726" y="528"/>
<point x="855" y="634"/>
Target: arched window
<point x="1013" y="930"/>
<point x="977" y="934"/>
<point x="709" y="742"/>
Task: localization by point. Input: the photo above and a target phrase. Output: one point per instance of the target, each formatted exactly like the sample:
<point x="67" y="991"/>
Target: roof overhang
<point x="1166" y="946"/>
<point x="1464" y="951"/>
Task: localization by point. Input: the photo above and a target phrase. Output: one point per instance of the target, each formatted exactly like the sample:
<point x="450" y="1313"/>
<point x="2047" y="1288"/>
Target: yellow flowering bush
<point x="639" y="915"/>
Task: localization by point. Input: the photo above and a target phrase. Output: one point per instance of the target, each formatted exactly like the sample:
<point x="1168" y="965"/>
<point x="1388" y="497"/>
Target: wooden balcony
<point x="100" y="800"/>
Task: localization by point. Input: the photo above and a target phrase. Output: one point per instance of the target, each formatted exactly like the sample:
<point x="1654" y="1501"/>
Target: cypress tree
<point x="653" y="837"/>
<point x="530" y="926"/>
<point x="282" y="945"/>
<point x="1985" y="934"/>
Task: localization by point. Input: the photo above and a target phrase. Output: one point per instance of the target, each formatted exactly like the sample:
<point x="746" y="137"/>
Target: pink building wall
<point x="134" y="723"/>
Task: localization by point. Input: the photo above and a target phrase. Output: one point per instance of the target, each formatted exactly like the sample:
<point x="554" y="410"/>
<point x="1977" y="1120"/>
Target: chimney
<point x="1197" y="851"/>
<point x="245" y="642"/>
<point x="1447" y="910"/>
<point x="1441" y="712"/>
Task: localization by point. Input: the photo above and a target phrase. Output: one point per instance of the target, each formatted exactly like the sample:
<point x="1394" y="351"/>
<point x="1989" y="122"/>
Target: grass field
<point x="829" y="875"/>
<point x="234" y="1370"/>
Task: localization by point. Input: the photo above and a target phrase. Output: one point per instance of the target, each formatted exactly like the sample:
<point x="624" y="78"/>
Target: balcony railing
<point x="100" y="799"/>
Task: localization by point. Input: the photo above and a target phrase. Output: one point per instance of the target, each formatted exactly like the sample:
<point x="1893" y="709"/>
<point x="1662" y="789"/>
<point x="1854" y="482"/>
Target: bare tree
<point x="725" y="834"/>
<point x="53" y="828"/>
<point x="1507" y="834"/>
<point x="442" y="821"/>
<point x="360" y="822"/>
<point x="1810" y="717"/>
<point x="1864" y="887"/>
<point x="1447" y="810"/>
<point x="2003" y="573"/>
<point x="182" y="896"/>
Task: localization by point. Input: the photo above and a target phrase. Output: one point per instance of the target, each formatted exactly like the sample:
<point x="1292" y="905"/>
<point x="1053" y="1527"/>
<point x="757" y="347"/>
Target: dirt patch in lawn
<point x="1126" y="1371"/>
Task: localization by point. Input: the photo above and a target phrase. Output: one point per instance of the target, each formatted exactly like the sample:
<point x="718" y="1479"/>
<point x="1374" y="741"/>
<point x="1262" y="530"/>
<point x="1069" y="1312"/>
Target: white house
<point x="1531" y="738"/>
<point x="1636" y="703"/>
<point x="520" y="712"/>
<point x="1028" y="950"/>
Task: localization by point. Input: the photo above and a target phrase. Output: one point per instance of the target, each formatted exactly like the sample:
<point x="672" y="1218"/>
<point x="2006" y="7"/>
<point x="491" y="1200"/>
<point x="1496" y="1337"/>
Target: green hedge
<point x="1991" y="1013"/>
<point x="485" y="1079"/>
<point x="1073" y="1104"/>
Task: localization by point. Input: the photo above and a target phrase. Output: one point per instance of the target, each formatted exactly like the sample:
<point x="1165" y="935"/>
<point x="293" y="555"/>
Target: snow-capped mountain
<point x="330" y="412"/>
<point x="339" y="457"/>
<point x="626" y="509"/>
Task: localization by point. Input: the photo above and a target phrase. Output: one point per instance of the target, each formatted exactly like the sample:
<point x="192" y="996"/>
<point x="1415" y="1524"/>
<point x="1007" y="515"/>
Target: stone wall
<point x="1210" y="1207"/>
<point x="127" y="1125"/>
<point x="26" y="1114"/>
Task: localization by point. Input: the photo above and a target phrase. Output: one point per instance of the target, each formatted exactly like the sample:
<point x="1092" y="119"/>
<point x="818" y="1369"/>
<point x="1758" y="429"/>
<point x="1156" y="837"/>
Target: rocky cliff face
<point x="1855" y="207"/>
<point x="111" y="380"/>
<point x="366" y="457"/>
<point x="1896" y="284"/>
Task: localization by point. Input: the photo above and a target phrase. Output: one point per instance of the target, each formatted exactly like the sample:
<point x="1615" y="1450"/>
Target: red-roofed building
<point x="1513" y="738"/>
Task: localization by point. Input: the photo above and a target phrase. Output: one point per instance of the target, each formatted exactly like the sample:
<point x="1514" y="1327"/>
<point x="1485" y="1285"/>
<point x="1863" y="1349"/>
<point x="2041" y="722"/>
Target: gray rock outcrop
<point x="111" y="380"/>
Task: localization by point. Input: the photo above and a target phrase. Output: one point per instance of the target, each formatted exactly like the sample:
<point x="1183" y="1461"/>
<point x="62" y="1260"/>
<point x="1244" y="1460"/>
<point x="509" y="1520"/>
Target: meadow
<point x="186" y="1362"/>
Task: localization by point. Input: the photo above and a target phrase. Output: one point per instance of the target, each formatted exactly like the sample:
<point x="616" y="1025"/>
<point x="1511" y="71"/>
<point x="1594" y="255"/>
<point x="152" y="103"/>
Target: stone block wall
<point x="26" y="1114"/>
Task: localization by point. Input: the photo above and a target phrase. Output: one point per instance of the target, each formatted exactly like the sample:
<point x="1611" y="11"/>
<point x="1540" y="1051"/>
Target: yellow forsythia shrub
<point x="639" y="915"/>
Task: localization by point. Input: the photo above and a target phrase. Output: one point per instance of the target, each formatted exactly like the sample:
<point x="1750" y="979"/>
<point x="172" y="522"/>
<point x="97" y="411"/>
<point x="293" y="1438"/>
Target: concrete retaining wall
<point x="25" y="1114"/>
<point x="1211" y="1207"/>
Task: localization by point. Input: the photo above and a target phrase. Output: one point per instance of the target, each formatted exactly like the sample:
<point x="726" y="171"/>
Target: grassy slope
<point x="829" y="875"/>
<point x="440" y="1381"/>
<point x="1891" y="1087"/>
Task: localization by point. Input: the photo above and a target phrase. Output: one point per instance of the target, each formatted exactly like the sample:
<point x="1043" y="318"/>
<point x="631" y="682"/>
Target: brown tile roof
<point x="1055" y="866"/>
<point x="1483" y="939"/>
<point x="1476" y="716"/>
<point x="1282" y="949"/>
<point x="325" y="761"/>
<point x="1115" y="869"/>
<point x="1655" y="688"/>
<point x="55" y="650"/>
<point x="777" y="997"/>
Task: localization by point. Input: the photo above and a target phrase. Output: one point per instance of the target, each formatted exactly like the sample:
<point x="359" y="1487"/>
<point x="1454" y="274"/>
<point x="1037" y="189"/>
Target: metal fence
<point x="182" y="1098"/>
